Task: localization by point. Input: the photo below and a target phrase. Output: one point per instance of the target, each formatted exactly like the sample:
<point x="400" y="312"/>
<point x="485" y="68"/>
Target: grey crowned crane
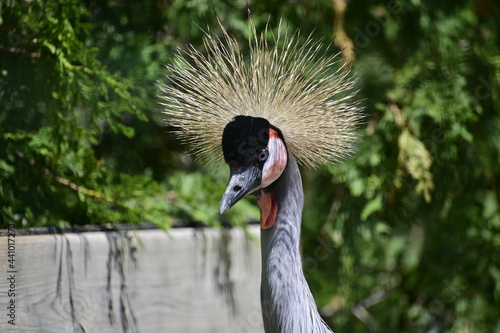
<point x="282" y="106"/>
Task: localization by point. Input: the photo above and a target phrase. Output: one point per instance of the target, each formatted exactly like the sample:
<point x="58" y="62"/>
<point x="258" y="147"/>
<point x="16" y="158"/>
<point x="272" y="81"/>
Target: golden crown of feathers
<point x="290" y="82"/>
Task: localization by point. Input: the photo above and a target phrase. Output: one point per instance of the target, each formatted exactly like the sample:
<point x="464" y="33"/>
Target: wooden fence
<point x="186" y="280"/>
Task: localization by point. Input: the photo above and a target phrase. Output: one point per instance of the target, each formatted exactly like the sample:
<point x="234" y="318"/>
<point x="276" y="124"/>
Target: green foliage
<point x="57" y="101"/>
<point x="403" y="237"/>
<point x="413" y="218"/>
<point x="81" y="144"/>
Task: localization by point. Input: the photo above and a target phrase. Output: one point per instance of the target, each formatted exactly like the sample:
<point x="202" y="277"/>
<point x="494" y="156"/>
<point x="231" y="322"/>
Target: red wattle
<point x="268" y="209"/>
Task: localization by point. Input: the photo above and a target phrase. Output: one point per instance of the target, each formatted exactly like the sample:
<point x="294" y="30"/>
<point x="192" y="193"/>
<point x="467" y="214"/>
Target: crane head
<point x="256" y="154"/>
<point x="287" y="88"/>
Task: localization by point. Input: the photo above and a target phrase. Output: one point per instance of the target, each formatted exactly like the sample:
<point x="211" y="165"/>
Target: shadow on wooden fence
<point x="186" y="280"/>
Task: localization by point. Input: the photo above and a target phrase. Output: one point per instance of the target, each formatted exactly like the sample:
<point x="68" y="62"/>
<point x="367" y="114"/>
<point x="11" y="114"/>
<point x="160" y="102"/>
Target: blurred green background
<point x="403" y="237"/>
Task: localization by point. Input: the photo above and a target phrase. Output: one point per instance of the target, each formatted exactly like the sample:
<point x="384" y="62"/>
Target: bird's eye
<point x="263" y="155"/>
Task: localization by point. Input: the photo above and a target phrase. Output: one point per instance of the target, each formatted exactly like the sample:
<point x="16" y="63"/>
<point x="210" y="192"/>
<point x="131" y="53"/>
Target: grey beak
<point x="243" y="181"/>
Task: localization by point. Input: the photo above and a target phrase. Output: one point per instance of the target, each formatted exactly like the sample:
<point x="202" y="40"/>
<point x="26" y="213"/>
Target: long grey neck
<point x="287" y="302"/>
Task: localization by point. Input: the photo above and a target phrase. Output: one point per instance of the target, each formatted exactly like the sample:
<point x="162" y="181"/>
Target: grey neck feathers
<point x="287" y="303"/>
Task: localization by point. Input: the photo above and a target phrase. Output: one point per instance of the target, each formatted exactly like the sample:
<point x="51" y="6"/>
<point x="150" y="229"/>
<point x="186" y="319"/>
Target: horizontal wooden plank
<point x="189" y="280"/>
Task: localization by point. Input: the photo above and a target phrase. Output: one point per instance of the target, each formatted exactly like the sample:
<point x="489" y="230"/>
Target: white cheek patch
<point x="276" y="160"/>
